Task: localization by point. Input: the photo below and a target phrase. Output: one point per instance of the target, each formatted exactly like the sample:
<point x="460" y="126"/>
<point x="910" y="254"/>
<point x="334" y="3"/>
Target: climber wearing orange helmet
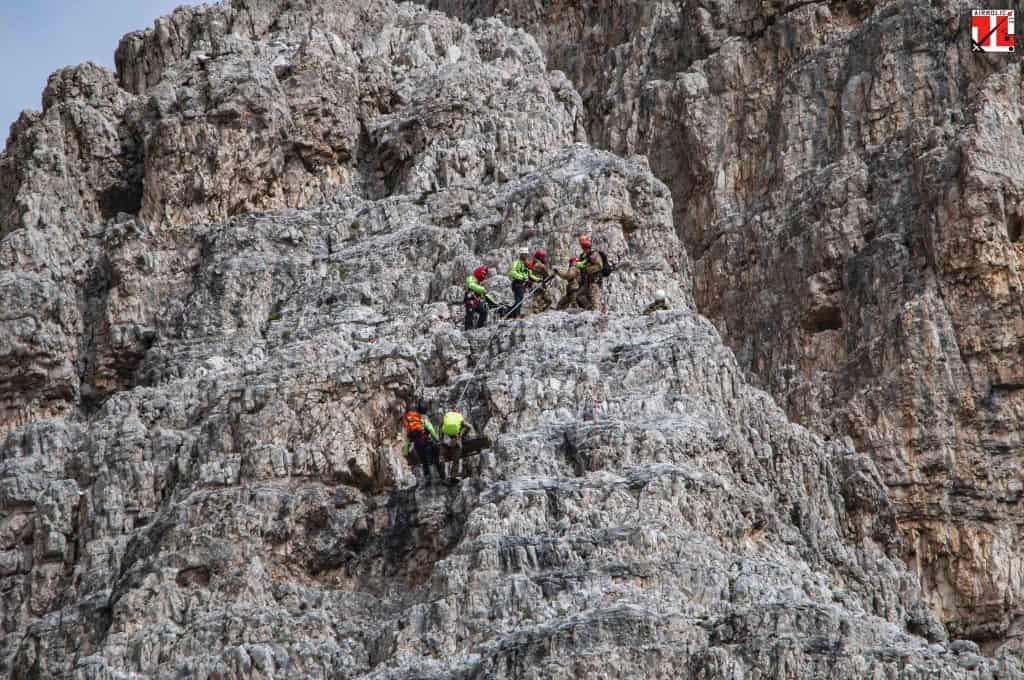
<point x="541" y="275"/>
<point x="476" y="299"/>
<point x="421" y="439"/>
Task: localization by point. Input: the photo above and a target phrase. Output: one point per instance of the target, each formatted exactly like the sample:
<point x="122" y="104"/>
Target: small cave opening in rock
<point x="121" y="198"/>
<point x="193" y="577"/>
<point x="1014" y="227"/>
<point x="824" y="319"/>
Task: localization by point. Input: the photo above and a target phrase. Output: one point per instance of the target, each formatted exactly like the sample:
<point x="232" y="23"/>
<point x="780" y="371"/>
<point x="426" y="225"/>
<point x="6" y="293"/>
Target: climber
<point x="520" y="275"/>
<point x="590" y="265"/>
<point x="476" y="299"/>
<point x="540" y="274"/>
<point x="422" y="438"/>
<point x="572" y="285"/>
<point x="660" y="303"/>
<point x="453" y="428"/>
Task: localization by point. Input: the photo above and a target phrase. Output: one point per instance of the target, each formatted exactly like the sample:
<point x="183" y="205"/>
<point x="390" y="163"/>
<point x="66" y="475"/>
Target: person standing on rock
<point x="590" y="265"/>
<point x="572" y="284"/>
<point x="541" y="274"/>
<point x="520" y="275"/>
<point x="660" y="303"/>
<point x="421" y="437"/>
<point x="476" y="299"/>
<point x="453" y="427"/>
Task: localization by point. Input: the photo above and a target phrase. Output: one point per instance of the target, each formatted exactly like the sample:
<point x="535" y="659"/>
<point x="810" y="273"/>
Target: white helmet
<point x="659" y="296"/>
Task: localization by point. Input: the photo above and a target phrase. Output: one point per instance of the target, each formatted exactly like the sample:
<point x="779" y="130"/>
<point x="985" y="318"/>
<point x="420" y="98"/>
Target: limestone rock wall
<point x="212" y="338"/>
<point x="847" y="178"/>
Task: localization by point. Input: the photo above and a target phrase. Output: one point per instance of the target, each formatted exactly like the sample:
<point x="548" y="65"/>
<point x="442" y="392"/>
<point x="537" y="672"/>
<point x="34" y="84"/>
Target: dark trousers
<point x="519" y="290"/>
<point x="428" y="455"/>
<point x="476" y="315"/>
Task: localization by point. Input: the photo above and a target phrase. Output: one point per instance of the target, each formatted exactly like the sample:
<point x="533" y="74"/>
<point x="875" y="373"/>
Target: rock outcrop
<point x="231" y="266"/>
<point x="848" y="180"/>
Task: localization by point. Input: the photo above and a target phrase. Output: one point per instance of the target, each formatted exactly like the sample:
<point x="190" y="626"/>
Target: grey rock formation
<point x="234" y="264"/>
<point x="848" y="180"/>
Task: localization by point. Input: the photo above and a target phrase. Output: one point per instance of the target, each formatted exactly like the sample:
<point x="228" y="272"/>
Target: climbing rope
<point x="462" y="395"/>
<point x="527" y="298"/>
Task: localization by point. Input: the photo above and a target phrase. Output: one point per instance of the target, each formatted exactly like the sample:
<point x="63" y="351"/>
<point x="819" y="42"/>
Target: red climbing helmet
<point x="480" y="273"/>
<point x="585" y="242"/>
<point x="541" y="254"/>
<point x="573" y="260"/>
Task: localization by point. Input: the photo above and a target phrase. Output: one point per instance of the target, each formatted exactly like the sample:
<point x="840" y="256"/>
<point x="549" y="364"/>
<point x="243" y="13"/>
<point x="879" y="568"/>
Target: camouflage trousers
<point x="569" y="299"/>
<point x="541" y="301"/>
<point x="589" y="297"/>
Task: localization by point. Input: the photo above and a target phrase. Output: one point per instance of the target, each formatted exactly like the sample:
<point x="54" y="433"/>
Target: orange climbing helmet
<point x="585" y="242"/>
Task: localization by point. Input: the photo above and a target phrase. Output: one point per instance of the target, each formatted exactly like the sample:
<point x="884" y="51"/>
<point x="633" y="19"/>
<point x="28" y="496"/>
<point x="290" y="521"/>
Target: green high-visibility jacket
<point x="519" y="271"/>
<point x="452" y="424"/>
<point x="474" y="285"/>
<point x="428" y="427"/>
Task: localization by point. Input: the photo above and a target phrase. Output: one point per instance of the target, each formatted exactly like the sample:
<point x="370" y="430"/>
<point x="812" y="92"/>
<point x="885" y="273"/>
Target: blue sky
<point x="37" y="37"/>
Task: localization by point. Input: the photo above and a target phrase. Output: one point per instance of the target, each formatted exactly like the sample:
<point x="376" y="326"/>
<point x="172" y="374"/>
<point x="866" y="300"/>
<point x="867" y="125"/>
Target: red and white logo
<point x="992" y="30"/>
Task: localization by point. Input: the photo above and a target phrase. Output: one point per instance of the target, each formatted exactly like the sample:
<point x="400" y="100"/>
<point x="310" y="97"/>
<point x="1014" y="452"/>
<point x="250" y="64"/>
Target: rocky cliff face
<point x="228" y="268"/>
<point x="848" y="180"/>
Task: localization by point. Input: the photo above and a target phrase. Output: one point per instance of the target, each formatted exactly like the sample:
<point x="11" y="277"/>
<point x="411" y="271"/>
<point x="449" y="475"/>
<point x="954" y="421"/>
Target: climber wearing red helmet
<point x="572" y="286"/>
<point x="476" y="299"/>
<point x="590" y="265"/>
<point x="541" y="274"/>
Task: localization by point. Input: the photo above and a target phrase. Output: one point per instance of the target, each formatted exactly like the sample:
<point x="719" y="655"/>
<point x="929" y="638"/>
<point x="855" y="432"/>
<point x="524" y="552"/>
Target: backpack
<point x="452" y="424"/>
<point x="606" y="266"/>
<point x="412" y="422"/>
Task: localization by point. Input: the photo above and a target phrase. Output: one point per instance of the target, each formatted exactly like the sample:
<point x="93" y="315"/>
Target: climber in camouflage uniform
<point x="540" y="274"/>
<point x="572" y="284"/>
<point x="590" y="266"/>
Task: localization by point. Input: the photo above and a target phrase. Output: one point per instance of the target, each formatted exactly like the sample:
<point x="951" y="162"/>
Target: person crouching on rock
<point x="476" y="299"/>
<point x="421" y="437"/>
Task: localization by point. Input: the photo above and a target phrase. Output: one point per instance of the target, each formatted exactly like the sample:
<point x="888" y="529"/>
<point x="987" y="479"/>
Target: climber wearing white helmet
<point x="660" y="303"/>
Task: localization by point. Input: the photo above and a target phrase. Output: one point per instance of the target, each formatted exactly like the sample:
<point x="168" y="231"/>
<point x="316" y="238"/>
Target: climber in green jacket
<point x="476" y="299"/>
<point x="421" y="438"/>
<point x="521" y="279"/>
<point x="453" y="428"/>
